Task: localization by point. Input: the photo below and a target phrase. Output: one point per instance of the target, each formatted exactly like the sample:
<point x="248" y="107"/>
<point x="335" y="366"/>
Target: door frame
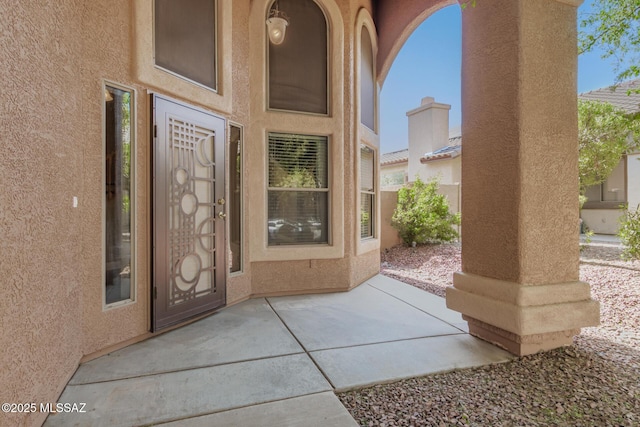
<point x="221" y="273"/>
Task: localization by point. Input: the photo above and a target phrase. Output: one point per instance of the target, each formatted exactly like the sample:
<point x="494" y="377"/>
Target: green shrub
<point x="630" y="234"/>
<point x="422" y="215"/>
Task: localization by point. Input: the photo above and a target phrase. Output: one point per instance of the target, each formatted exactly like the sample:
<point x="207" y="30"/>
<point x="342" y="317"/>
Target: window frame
<point x="132" y="197"/>
<point x="329" y="90"/>
<point x="146" y="73"/>
<point x="241" y="184"/>
<point x="366" y="136"/>
<point x="216" y="58"/>
<point x="365" y="27"/>
<point x="603" y="204"/>
<point x="372" y="193"/>
<point x="328" y="191"/>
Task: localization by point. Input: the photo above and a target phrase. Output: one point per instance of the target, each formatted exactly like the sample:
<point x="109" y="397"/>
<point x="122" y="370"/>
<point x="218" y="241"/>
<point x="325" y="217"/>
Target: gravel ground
<point x="595" y="382"/>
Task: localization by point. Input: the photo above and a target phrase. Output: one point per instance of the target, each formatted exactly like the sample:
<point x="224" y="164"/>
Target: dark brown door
<point x="188" y="212"/>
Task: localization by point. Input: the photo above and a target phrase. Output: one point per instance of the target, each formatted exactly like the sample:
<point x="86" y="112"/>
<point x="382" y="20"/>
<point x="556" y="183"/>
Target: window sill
<point x="605" y="205"/>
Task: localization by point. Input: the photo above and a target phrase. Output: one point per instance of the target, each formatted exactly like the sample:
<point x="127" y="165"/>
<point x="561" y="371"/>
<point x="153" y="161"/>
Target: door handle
<point x="222" y="215"/>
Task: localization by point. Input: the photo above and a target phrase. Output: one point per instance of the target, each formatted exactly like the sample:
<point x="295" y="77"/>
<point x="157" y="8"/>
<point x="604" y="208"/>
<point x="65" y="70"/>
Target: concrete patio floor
<point x="276" y="361"/>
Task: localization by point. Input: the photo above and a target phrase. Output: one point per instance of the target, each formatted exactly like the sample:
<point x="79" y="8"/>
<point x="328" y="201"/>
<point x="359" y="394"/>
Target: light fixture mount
<point x="277" y="24"/>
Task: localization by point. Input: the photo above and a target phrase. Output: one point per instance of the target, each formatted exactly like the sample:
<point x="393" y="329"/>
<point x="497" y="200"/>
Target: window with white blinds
<point x="367" y="191"/>
<point x="298" y="189"/>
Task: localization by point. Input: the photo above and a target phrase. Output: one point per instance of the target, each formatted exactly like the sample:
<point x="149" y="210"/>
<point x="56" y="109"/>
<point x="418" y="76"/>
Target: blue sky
<point x="429" y="65"/>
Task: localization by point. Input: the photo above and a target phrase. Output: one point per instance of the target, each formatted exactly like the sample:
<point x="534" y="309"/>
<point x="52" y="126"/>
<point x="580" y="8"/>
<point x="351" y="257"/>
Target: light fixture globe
<point x="276" y="27"/>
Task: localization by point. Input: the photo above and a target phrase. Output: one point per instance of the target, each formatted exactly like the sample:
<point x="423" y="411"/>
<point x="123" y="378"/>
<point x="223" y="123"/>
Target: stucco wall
<point x="633" y="180"/>
<point x="41" y="158"/>
<point x="602" y="221"/>
<point x="389" y="235"/>
<point x="447" y="170"/>
<point x="518" y="138"/>
<point x="54" y="65"/>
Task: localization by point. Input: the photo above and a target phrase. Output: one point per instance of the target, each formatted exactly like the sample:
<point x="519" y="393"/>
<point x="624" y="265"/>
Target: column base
<point x="523" y="319"/>
<point x="520" y="345"/>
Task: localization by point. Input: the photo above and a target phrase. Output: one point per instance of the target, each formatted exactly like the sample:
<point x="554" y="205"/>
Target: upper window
<point x="298" y="194"/>
<point x="185" y="39"/>
<point x="298" y="68"/>
<point x="367" y="81"/>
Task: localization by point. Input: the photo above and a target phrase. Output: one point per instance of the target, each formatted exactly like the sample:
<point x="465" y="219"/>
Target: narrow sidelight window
<point x="235" y="196"/>
<point x="185" y="39"/>
<point x="367" y="192"/>
<point x="298" y="192"/>
<point x="118" y="195"/>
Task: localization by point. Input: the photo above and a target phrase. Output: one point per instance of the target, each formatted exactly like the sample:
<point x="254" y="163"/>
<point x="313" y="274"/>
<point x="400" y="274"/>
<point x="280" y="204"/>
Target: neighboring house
<point x="431" y="153"/>
<point x="393" y="169"/>
<point x="162" y="159"/>
<point x="602" y="211"/>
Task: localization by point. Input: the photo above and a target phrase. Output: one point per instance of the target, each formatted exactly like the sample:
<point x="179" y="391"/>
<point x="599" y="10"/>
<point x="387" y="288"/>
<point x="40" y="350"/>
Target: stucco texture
<point x="41" y="119"/>
<point x="520" y="142"/>
<point x="56" y="57"/>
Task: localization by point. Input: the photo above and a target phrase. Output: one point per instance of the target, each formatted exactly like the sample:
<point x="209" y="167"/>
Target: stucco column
<point x="519" y="284"/>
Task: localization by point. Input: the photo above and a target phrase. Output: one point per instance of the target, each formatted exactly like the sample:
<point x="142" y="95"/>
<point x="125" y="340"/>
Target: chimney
<point x="428" y="131"/>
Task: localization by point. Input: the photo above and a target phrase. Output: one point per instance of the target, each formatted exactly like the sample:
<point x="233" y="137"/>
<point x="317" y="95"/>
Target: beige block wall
<point x="389" y="235"/>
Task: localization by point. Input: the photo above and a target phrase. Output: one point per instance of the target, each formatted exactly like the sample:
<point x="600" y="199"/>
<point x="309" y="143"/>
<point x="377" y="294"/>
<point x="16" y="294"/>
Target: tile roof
<point x="401" y="156"/>
<point x="395" y="157"/>
<point x="617" y="95"/>
<point x="448" y="152"/>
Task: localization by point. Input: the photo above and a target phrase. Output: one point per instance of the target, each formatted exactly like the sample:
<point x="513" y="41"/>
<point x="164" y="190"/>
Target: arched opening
<point x="519" y="282"/>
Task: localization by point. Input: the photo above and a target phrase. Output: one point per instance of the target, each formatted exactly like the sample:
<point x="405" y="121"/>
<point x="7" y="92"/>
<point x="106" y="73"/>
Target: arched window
<point x="367" y="81"/>
<point x="298" y="68"/>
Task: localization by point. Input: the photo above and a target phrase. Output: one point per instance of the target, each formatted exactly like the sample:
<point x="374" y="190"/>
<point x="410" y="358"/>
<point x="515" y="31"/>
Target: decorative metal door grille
<point x="191" y="211"/>
<point x="189" y="256"/>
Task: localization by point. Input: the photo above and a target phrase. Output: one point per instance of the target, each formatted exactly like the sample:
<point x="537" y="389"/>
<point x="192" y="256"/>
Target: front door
<point x="188" y="212"/>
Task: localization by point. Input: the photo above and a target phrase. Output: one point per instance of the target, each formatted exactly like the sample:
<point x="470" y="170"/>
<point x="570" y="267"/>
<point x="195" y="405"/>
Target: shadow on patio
<point x="276" y="361"/>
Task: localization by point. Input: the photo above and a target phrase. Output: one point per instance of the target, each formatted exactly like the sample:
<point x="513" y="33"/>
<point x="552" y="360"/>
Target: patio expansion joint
<point x="191" y="368"/>
<point x="326" y="377"/>
<point x="417" y="308"/>
<point x="235" y="408"/>
<point x="386" y="342"/>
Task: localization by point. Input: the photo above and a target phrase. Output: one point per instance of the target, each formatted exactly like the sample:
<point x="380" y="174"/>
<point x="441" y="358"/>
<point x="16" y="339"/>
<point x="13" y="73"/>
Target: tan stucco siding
<point x="42" y="155"/>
